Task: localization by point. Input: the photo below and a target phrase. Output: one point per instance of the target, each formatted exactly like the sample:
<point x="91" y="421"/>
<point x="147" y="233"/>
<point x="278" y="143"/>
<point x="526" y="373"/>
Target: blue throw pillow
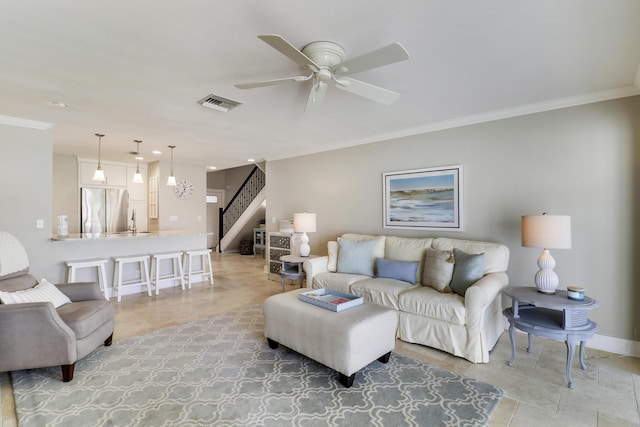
<point x="468" y="269"/>
<point x="399" y="270"/>
<point x="355" y="257"/>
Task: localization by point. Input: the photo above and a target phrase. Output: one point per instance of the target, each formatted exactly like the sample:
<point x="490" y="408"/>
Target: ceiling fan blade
<point x="272" y="82"/>
<point x="316" y="96"/>
<point x="376" y="58"/>
<point x="287" y="49"/>
<point x="366" y="90"/>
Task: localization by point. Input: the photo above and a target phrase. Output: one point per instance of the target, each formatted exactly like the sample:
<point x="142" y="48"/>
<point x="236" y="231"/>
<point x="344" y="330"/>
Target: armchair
<point x="35" y="334"/>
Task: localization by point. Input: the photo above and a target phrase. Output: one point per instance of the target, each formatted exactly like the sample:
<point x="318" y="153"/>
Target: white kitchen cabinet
<point x="153" y="197"/>
<point x="116" y="175"/>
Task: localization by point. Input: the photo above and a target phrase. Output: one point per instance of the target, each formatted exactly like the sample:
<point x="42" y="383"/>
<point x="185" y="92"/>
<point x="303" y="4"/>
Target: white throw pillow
<point x="438" y="270"/>
<point x="332" y="250"/>
<point x="42" y="292"/>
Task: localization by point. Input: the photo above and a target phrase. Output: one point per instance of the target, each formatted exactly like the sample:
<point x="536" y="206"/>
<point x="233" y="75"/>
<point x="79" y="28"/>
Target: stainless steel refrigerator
<point x="103" y="210"/>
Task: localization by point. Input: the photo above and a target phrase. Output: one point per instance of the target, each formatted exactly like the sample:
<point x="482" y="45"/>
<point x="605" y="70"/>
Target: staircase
<point x="243" y="211"/>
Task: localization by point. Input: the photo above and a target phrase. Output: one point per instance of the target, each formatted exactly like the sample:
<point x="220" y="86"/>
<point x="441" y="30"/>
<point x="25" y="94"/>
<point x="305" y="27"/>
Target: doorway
<point x="215" y="201"/>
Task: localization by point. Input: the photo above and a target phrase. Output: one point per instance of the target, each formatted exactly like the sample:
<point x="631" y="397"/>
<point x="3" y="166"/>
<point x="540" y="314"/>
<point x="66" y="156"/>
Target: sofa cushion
<point x="336" y="281"/>
<point x="468" y="269"/>
<point x="42" y="292"/>
<point x="18" y="283"/>
<point x="332" y="255"/>
<point x="380" y="291"/>
<point x="408" y="249"/>
<point x="426" y="301"/>
<point x="355" y="257"/>
<point x="438" y="269"/>
<point x="84" y="317"/>
<point x="399" y="270"/>
<point x="496" y="256"/>
<point x="379" y="242"/>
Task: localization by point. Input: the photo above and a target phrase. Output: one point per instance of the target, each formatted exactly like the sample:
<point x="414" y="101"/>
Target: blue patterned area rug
<point x="220" y="371"/>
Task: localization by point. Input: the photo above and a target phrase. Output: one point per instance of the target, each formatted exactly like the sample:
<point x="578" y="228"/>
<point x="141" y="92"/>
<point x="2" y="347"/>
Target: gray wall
<point x="229" y="180"/>
<point x="576" y="161"/>
<point x="25" y="193"/>
<point x="66" y="194"/>
<point x="191" y="213"/>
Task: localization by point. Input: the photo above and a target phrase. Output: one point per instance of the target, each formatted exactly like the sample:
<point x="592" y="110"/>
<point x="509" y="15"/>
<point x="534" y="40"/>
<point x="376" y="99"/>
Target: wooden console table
<point x="550" y="316"/>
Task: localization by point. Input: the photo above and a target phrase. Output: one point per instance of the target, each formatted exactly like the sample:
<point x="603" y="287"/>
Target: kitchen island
<point x="93" y="245"/>
<point x="122" y="235"/>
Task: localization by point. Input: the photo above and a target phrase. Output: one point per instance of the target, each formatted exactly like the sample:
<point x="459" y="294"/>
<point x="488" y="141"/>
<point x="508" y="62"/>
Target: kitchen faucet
<point x="133" y="219"/>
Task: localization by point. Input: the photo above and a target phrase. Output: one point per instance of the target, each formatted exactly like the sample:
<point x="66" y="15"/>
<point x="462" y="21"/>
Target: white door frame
<point x="221" y="200"/>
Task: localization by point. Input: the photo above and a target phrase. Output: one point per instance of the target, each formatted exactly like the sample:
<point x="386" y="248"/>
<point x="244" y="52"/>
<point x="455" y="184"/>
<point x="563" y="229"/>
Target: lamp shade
<point x="98" y="175"/>
<point x="546" y="231"/>
<point x="304" y="222"/>
<point x="137" y="177"/>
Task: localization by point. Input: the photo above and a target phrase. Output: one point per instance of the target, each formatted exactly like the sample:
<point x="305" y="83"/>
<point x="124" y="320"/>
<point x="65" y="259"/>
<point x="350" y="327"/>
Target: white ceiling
<point x="135" y="69"/>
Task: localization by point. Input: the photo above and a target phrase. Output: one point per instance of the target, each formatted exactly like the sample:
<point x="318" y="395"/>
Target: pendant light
<point x="99" y="173"/>
<point x="172" y="179"/>
<point x="137" y="178"/>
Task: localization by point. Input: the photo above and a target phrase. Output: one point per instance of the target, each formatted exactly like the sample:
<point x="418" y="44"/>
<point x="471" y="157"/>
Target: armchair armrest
<point x="81" y="291"/>
<point x="33" y="335"/>
<point x="314" y="266"/>
<point x="481" y="295"/>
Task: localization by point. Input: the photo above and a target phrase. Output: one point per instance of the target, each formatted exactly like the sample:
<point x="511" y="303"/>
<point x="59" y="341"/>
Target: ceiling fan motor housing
<point x="325" y="54"/>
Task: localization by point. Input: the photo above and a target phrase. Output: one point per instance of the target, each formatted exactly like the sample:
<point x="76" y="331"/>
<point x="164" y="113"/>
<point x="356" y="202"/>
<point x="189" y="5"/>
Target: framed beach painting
<point x="429" y="198"/>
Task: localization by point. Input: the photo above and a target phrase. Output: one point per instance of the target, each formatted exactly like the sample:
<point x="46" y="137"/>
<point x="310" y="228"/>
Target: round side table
<point x="550" y="316"/>
<point x="292" y="268"/>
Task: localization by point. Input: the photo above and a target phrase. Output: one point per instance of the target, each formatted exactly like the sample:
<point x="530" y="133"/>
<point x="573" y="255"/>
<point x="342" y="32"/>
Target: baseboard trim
<point x="614" y="345"/>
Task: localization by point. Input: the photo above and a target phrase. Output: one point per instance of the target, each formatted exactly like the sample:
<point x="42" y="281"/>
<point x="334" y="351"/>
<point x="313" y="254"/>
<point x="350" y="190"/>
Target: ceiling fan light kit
<point x="326" y="60"/>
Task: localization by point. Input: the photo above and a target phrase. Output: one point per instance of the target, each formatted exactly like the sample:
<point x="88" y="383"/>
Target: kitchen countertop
<point x="124" y="235"/>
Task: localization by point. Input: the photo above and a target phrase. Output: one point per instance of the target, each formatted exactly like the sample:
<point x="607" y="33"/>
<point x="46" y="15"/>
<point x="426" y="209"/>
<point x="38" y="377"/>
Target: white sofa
<point x="466" y="326"/>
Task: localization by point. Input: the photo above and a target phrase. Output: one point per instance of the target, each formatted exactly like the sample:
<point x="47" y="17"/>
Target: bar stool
<point x="176" y="274"/>
<point x="98" y="263"/>
<point x="205" y="261"/>
<point x="143" y="267"/>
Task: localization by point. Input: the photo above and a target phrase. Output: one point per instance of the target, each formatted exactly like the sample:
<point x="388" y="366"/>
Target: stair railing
<point x="247" y="192"/>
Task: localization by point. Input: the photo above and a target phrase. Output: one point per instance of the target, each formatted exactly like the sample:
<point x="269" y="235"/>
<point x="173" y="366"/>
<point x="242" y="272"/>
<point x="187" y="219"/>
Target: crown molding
<point x="25" y="123"/>
<point x="522" y="110"/>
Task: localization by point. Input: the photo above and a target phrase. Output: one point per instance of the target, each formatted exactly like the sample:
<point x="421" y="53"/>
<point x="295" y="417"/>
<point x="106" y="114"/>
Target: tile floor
<point x="606" y="394"/>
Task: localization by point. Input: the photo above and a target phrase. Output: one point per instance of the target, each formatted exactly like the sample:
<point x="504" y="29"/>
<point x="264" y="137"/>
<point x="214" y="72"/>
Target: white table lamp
<point x="546" y="232"/>
<point x="304" y="223"/>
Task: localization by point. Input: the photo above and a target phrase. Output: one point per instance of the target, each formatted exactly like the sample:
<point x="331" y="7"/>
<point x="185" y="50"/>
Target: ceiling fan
<point x="326" y="62"/>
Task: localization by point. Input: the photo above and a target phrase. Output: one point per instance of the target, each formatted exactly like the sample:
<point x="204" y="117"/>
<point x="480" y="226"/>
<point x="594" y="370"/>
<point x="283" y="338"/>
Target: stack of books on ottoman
<point x="331" y="300"/>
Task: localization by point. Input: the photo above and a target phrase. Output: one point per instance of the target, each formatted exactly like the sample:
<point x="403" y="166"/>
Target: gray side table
<point x="550" y="316"/>
<point x="292" y="268"/>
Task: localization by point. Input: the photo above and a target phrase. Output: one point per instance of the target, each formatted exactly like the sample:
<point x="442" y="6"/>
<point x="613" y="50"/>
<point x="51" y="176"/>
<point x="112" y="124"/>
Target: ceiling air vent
<point x="218" y="103"/>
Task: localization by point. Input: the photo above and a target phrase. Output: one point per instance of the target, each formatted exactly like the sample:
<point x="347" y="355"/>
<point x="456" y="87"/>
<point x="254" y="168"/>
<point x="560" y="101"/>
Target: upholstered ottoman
<point x="346" y="341"/>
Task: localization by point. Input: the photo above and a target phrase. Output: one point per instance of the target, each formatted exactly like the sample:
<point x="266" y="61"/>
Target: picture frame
<point x="427" y="198"/>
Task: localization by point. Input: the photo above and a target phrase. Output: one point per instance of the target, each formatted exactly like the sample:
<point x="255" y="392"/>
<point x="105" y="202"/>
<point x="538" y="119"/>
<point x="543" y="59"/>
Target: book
<point x="331" y="300"/>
